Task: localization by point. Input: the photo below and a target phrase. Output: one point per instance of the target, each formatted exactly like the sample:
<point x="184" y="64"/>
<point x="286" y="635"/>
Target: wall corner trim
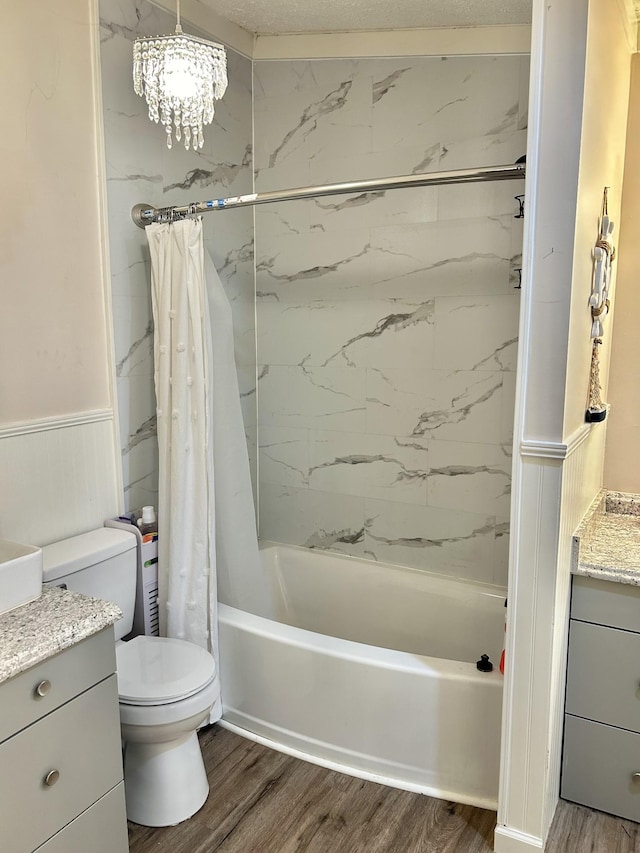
<point x="437" y="41"/>
<point x="543" y="449"/>
<point x="504" y="39"/>
<point x="509" y="840"/>
<point x="61" y="422"/>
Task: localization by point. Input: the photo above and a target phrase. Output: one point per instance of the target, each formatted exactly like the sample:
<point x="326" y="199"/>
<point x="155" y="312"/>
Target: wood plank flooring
<point x="576" y="829"/>
<point x="263" y="801"/>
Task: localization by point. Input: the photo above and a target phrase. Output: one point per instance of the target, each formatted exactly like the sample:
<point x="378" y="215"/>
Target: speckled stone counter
<point x="607" y="543"/>
<point x="42" y="628"/>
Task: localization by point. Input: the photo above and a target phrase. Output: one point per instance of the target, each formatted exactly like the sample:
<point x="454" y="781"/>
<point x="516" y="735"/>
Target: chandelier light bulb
<point x="177" y="79"/>
<point x="181" y="77"/>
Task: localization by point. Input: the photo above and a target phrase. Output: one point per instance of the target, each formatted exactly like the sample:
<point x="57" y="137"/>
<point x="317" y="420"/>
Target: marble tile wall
<point x="140" y="168"/>
<point x="387" y="322"/>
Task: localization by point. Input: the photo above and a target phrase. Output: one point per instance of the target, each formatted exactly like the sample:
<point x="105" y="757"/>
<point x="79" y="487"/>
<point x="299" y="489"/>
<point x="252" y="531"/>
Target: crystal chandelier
<point x="180" y="76"/>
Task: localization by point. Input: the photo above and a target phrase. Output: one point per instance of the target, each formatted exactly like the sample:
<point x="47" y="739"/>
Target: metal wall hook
<point x="520" y="200"/>
<point x="518" y="286"/>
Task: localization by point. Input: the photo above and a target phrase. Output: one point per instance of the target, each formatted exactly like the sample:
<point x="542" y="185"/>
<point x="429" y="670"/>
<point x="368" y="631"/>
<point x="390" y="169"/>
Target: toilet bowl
<point x="167" y="687"/>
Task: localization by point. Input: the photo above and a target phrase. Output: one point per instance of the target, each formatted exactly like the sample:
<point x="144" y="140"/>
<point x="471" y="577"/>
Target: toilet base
<point x="164" y="783"/>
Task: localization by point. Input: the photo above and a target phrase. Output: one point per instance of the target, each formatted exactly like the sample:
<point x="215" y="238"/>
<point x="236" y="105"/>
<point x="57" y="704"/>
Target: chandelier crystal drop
<point x="181" y="77"/>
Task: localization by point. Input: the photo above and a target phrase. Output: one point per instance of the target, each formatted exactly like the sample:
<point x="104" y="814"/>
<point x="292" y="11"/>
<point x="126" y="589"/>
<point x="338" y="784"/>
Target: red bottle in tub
<point x="505" y="630"/>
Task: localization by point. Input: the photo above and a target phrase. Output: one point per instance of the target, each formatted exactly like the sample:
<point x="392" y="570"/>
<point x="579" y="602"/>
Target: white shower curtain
<point x="206" y="522"/>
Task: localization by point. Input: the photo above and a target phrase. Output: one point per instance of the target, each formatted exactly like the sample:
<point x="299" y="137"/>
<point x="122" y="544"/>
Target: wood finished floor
<point x="263" y="801"/>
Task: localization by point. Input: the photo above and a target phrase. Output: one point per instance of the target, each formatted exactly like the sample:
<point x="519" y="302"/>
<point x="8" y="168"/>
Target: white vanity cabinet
<point x="61" y="788"/>
<point x="601" y="751"/>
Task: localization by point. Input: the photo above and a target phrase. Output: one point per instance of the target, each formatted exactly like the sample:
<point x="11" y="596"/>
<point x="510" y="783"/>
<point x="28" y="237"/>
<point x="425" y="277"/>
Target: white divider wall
<point x="574" y="45"/>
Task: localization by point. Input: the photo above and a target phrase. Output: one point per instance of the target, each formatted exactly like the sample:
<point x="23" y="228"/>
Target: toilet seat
<point x="187" y="713"/>
<point x="159" y="670"/>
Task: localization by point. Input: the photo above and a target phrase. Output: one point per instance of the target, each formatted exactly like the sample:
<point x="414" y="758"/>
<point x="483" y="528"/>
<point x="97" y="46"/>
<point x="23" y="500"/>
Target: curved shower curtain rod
<point x="145" y="214"/>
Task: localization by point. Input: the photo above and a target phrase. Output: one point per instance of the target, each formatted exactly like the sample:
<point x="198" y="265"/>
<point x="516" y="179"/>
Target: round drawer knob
<point x="51" y="778"/>
<point x="43" y="688"/>
<point x="635" y="777"/>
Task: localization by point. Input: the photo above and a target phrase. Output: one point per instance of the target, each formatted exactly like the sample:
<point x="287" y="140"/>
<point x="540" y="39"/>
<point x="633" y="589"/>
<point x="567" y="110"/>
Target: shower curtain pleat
<point x="207" y="545"/>
<point x="187" y="586"/>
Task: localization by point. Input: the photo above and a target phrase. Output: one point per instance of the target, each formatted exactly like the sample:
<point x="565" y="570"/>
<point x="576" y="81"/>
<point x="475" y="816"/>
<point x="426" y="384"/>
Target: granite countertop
<point x="42" y="628"/>
<point x="606" y="545"/>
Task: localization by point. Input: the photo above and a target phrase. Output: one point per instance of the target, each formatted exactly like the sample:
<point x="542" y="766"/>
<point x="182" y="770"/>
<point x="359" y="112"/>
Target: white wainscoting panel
<point x="553" y="494"/>
<point x="581" y="481"/>
<point x="58" y="479"/>
<point x="532" y="593"/>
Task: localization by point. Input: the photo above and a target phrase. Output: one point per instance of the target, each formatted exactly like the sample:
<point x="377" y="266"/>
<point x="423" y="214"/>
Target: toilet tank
<point x="101" y="563"/>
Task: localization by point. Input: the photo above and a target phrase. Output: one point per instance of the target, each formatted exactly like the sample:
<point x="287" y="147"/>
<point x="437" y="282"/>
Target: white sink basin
<point x="20" y="574"/>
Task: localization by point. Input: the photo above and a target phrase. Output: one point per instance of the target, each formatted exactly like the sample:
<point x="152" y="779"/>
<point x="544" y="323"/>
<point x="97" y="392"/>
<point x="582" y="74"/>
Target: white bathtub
<point x="370" y="669"/>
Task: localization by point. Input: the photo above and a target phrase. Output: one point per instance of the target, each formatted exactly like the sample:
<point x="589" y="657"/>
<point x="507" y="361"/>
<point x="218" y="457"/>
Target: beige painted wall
<point x="602" y="153"/>
<point x="53" y="332"/>
<point x="59" y="459"/>
<point x="622" y="458"/>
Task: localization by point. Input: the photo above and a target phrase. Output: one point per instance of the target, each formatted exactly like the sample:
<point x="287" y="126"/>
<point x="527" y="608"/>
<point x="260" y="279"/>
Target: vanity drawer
<point x="598" y="766"/>
<point x="100" y="829"/>
<point x="606" y="603"/>
<point x="59" y="678"/>
<point x="603" y="675"/>
<point x="81" y="742"/>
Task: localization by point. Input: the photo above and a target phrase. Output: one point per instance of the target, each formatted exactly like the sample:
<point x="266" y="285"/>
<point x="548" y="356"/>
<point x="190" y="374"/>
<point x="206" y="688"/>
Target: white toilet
<point x="166" y="687"/>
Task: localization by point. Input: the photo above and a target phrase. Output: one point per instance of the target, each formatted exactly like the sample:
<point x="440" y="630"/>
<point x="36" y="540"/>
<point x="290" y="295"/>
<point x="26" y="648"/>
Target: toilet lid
<point x="158" y="670"/>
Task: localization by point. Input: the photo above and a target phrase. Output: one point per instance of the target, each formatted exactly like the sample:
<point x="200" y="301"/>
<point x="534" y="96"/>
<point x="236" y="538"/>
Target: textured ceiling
<point x="312" y="16"/>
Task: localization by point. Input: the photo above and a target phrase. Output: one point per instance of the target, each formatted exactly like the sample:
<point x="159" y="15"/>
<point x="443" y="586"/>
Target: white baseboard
<point x="507" y="840"/>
